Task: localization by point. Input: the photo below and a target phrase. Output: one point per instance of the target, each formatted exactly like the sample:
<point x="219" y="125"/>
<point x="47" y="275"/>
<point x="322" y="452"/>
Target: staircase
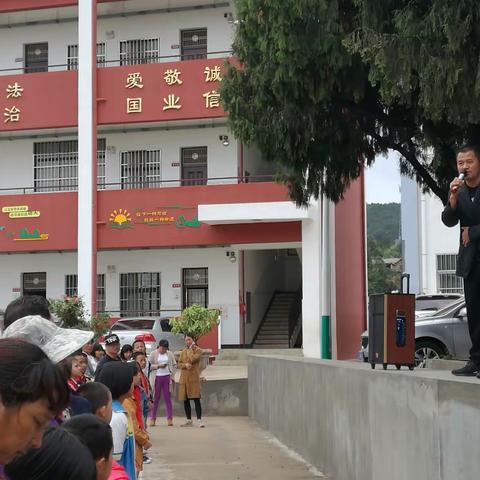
<point x="273" y="332"/>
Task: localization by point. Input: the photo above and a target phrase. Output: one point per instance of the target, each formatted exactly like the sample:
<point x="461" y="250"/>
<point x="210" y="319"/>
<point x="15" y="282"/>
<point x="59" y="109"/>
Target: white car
<point x="149" y="329"/>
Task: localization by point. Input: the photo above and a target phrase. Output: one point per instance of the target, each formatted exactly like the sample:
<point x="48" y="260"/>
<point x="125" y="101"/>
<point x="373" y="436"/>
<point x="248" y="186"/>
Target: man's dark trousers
<point x="472" y="299"/>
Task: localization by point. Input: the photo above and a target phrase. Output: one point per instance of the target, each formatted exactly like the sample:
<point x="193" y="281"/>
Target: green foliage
<point x="383" y="241"/>
<point x="100" y="323"/>
<point x="383" y="224"/>
<point x="195" y="321"/>
<point x="71" y="312"/>
<point x="323" y="86"/>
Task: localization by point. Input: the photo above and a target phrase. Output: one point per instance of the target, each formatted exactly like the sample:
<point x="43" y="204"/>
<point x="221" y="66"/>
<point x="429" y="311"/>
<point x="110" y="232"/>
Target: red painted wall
<point x="210" y="341"/>
<point x="351" y="288"/>
<point x="143" y="205"/>
<point x="49" y="99"/>
<point x="58" y="218"/>
<point x="19" y="5"/>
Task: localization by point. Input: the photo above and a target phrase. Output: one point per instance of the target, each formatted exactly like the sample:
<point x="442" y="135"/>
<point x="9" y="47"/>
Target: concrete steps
<point x="274" y="331"/>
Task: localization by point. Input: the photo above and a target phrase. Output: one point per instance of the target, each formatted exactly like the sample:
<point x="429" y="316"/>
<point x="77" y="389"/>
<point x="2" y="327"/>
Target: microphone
<point x="461" y="177"/>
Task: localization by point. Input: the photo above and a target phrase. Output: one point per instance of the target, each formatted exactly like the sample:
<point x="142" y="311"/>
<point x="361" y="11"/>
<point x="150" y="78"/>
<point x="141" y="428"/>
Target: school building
<point x="120" y="181"/>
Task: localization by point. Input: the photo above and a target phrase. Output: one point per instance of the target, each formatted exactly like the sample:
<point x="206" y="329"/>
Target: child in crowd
<point x="100" y="399"/>
<point x="132" y="405"/>
<point x="98" y="353"/>
<point x="73" y="370"/>
<point x="145" y="386"/>
<point x="61" y="456"/>
<point x="118" y="377"/>
<point x="126" y="353"/>
<point x="96" y="435"/>
<point x="139" y="346"/>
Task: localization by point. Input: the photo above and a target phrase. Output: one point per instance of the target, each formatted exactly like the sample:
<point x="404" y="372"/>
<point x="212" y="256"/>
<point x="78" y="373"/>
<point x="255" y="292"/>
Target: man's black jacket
<point x="468" y="214"/>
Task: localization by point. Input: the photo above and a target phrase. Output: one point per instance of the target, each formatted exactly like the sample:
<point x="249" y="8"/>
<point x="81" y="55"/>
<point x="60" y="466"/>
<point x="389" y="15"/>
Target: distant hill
<point x="383" y="234"/>
<point x="383" y="223"/>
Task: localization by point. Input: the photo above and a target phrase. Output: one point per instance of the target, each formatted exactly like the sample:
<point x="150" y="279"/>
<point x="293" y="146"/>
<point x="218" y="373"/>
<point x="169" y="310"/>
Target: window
<point x="71" y="289"/>
<point x="193" y="43"/>
<point x="447" y="281"/>
<point x="55" y="165"/>
<point x="135" y="52"/>
<point x="195" y="287"/>
<point x="139" y="294"/>
<point x="194" y="166"/>
<point x="72" y="56"/>
<point x="35" y="284"/>
<point x="141" y="169"/>
<point x="35" y="57"/>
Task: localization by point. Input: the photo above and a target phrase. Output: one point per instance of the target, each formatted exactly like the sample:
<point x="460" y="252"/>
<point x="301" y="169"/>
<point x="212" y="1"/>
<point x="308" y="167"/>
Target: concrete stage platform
<point x="354" y="423"/>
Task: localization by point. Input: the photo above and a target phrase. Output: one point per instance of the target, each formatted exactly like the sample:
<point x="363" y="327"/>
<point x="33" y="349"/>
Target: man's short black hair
<point x="93" y="432"/>
<point x="24" y="306"/>
<point x="96" y="393"/>
<point x="163" y="343"/>
<point x="470" y="147"/>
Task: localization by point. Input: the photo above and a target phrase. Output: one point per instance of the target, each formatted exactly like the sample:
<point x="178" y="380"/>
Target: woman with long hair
<point x="189" y="385"/>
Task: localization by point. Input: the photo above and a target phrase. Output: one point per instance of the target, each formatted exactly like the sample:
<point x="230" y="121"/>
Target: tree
<point x="323" y="86"/>
<point x="195" y="321"/>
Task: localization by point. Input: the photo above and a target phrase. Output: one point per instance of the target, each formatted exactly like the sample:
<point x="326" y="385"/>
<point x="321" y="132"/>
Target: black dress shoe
<point x="469" y="370"/>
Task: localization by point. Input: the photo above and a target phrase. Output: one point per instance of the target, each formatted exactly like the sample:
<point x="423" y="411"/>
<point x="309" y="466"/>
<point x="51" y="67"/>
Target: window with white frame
<point x="139" y="51"/>
<point x="140" y="294"/>
<point x="71" y="289"/>
<point x="72" y="56"/>
<point x="140" y="169"/>
<point x="447" y="281"/>
<point x="55" y="165"/>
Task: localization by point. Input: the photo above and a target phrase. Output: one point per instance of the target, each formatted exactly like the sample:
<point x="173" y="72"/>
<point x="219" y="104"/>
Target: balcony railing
<point x="125" y="60"/>
<point x="183" y="182"/>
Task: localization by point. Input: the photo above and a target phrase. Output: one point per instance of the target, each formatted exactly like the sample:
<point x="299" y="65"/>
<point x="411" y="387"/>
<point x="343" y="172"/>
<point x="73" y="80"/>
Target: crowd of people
<point x="70" y="408"/>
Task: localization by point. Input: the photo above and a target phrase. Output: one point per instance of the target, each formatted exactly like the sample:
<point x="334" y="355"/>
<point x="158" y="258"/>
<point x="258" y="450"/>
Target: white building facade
<point x="429" y="247"/>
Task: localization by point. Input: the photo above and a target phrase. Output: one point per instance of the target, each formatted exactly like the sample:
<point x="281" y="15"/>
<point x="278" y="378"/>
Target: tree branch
<point x="411" y="158"/>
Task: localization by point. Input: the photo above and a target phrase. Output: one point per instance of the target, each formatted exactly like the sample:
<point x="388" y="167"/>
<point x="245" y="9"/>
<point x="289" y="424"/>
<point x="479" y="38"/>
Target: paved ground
<point x="229" y="448"/>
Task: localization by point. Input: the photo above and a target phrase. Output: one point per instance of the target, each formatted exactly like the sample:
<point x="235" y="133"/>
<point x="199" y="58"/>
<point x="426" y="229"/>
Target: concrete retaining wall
<point x="219" y="397"/>
<point x="357" y="424"/>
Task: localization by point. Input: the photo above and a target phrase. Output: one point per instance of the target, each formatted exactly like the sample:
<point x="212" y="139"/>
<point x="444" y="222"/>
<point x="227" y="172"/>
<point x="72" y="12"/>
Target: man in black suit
<point x="464" y="206"/>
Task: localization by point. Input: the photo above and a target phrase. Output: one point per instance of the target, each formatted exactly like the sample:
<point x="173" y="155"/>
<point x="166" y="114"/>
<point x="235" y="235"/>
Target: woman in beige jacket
<point x="163" y="366"/>
<point x="189" y="387"/>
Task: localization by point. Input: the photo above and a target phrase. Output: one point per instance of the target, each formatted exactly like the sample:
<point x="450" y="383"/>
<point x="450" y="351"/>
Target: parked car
<point x="436" y="336"/>
<point x="428" y="305"/>
<point x="149" y="329"/>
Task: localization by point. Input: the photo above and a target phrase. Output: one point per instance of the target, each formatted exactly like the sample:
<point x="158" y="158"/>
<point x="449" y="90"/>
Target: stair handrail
<point x="274" y="294"/>
<point x="295" y="313"/>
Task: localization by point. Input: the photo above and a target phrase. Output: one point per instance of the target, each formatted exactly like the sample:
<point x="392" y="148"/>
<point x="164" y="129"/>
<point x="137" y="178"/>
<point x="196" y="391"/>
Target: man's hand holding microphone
<point x="454" y="186"/>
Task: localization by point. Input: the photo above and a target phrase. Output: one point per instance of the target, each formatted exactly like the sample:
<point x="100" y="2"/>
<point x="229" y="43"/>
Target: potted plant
<point x="196" y="321"/>
<point x="70" y="311"/>
<point x="100" y="324"/>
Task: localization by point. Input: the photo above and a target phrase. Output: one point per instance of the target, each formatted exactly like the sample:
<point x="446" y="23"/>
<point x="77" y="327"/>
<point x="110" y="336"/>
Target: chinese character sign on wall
<point x="162" y="91"/>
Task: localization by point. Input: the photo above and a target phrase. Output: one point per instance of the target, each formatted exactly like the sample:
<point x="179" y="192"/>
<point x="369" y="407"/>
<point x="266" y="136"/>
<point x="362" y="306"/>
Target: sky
<point x="382" y="180"/>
